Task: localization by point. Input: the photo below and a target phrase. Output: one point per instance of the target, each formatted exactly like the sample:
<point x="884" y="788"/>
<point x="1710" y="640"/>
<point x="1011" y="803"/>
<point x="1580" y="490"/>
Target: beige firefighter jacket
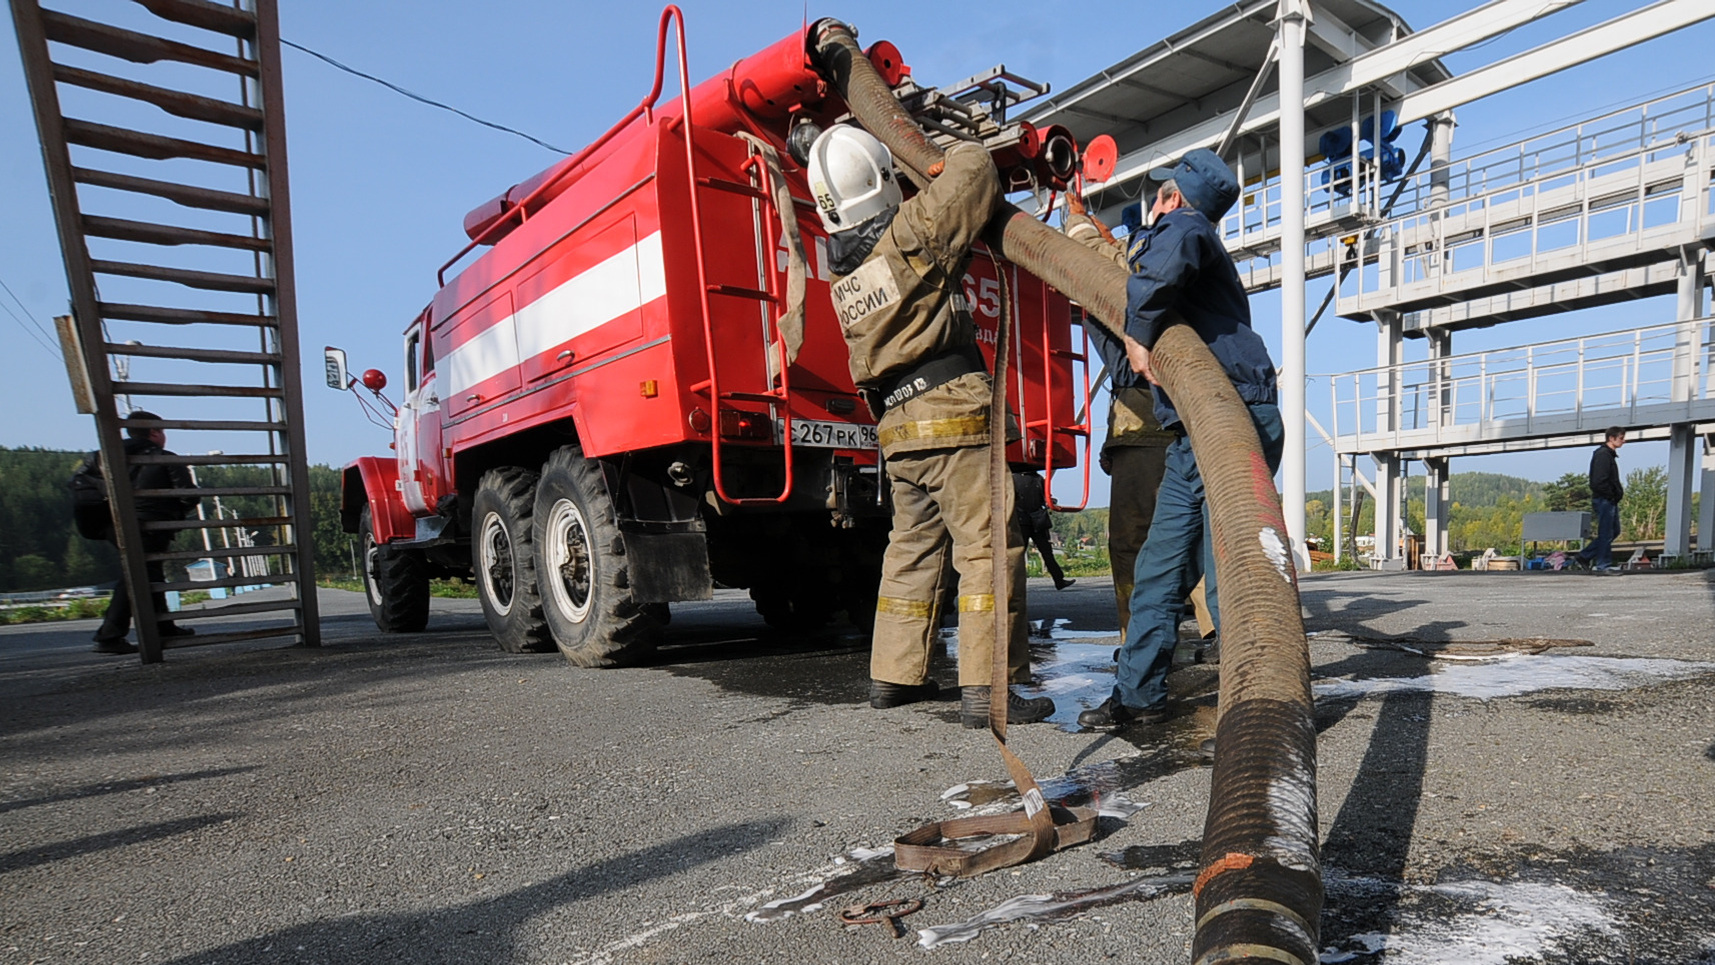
<point x="905" y="305"/>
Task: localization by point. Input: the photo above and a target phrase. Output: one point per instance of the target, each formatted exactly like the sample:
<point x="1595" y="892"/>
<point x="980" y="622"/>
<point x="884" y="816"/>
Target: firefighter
<point x="899" y="298"/>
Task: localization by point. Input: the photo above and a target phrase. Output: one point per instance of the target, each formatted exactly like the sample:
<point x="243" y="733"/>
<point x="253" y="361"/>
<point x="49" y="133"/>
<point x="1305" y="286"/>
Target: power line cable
<point x="51" y="337"/>
<point x="47" y="345"/>
<point x="420" y="98"/>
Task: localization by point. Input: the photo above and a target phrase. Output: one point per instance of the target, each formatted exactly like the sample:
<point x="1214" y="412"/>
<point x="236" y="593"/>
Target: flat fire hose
<point x="1044" y="828"/>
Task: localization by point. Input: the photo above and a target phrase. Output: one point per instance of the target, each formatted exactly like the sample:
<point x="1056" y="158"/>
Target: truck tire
<point x="396" y="583"/>
<point x="503" y="556"/>
<point x="580" y="559"/>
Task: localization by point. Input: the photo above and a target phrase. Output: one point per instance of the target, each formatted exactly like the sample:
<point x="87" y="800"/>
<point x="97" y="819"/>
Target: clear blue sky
<point x="380" y="184"/>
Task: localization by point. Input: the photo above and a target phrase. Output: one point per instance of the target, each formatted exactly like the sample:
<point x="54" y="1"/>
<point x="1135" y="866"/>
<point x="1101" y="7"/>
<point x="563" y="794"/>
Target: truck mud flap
<point x="668" y="567"/>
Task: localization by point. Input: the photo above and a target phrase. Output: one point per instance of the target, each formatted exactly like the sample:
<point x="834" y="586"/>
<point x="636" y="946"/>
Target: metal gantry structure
<point x="178" y="254"/>
<point x="1426" y="249"/>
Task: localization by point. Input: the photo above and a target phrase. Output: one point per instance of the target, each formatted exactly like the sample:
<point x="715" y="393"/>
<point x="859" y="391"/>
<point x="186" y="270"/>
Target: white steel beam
<point x="1586" y="45"/>
<point x="1366" y="70"/>
<point x="1293" y="17"/>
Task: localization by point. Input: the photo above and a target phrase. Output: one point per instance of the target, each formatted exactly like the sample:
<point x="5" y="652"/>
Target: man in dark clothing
<point x="110" y="638"/>
<point x="1031" y="499"/>
<point x="1181" y="265"/>
<point x="1605" y="493"/>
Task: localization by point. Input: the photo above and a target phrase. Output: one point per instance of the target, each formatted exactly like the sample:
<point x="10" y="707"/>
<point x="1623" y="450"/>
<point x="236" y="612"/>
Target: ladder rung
<point x="194" y="391"/>
<point x="179" y="525"/>
<point x="763" y="397"/>
<point x="225" y="553"/>
<point x="207" y="280"/>
<point x="180" y="316"/>
<point x="192" y="354"/>
<point x="209" y="16"/>
<point x="139" y="48"/>
<point x="237" y="636"/>
<point x="190" y="197"/>
<point x="229" y="582"/>
<point x="177" y="103"/>
<point x="160" y="234"/>
<point x="153" y="146"/>
<point x="175" y="459"/>
<point x="212" y="491"/>
<point x="204" y="425"/>
<point x="235" y="609"/>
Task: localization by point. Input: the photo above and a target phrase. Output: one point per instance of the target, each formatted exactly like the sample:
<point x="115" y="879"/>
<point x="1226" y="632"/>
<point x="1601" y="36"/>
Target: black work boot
<point x="114" y="645"/>
<point x="883" y="695"/>
<point x="1210" y="651"/>
<point x="1112" y="715"/>
<point x="974" y="708"/>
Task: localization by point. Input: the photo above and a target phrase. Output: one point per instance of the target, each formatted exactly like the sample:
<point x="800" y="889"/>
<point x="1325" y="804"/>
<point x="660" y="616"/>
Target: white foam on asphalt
<point x="1513" y="675"/>
<point x="1502" y="923"/>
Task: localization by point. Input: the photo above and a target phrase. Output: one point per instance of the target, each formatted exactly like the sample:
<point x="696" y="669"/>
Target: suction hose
<point x="1259" y="894"/>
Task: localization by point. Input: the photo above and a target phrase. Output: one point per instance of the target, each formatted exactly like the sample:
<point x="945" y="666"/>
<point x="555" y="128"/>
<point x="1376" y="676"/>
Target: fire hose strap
<point x="1231" y="861"/>
<point x="1230" y="953"/>
<point x="1253" y="904"/>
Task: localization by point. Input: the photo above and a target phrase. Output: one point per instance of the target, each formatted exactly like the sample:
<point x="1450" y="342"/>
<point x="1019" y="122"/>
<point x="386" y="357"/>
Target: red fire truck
<point x="597" y="420"/>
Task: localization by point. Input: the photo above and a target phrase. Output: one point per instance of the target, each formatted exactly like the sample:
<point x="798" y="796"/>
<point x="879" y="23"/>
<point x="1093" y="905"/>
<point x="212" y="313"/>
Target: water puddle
<point x="1512" y="675"/>
<point x="1055" y="907"/>
<point x="861" y="869"/>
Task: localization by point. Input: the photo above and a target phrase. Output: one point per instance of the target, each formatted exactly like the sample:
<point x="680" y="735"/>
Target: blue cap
<point x="1205" y="180"/>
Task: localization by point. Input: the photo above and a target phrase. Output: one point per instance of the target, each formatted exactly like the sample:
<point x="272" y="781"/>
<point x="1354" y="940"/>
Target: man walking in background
<point x="110" y="638"/>
<point x="1605" y="494"/>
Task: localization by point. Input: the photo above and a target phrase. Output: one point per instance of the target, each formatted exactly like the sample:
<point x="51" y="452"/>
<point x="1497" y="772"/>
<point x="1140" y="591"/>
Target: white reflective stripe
<point x="487" y="354"/>
<point x="617" y="286"/>
<point x="620" y="284"/>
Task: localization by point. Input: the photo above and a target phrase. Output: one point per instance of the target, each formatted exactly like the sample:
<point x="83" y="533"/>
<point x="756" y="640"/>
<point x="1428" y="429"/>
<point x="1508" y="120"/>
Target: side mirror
<point x="335" y="360"/>
<point x="374" y="380"/>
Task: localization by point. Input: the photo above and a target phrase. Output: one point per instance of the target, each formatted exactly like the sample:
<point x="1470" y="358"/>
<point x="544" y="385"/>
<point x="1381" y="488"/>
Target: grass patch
<point x="449" y="589"/>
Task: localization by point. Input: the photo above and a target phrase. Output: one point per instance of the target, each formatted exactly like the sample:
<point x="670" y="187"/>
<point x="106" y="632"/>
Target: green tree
<point x="1643" y="510"/>
<point x="1569" y="493"/>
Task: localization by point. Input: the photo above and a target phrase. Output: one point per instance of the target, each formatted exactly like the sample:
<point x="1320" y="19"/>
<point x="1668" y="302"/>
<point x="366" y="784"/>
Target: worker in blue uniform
<point x="1179" y="265"/>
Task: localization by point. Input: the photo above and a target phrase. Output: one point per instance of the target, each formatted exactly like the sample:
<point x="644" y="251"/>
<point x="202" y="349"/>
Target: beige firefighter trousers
<point x="1137" y="472"/>
<point x="941" y="507"/>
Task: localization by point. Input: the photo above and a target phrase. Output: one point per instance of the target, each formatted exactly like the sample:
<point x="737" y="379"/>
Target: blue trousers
<point x="1600" y="550"/>
<point x="1176" y="555"/>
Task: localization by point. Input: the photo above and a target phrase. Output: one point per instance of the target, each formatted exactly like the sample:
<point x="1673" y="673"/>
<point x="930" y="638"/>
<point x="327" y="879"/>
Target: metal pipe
<point x="1259" y="896"/>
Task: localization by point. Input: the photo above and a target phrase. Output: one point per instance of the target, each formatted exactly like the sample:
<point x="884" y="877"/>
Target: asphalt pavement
<point x="1514" y="768"/>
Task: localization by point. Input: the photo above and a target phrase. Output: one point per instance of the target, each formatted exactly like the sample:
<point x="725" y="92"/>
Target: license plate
<point x="826" y="435"/>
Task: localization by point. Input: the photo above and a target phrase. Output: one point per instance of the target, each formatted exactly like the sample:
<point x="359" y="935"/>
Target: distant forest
<point x="40" y="549"/>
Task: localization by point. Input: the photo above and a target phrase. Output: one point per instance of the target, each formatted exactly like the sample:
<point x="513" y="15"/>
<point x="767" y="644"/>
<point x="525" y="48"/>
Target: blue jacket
<point x="1180" y="264"/>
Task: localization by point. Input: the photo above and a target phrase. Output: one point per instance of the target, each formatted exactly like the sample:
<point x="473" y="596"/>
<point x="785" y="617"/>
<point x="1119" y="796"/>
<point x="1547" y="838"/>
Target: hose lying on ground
<point x="1259" y="892"/>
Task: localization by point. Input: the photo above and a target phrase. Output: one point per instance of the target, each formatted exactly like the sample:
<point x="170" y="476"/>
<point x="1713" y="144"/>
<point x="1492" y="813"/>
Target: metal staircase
<point x="177" y="246"/>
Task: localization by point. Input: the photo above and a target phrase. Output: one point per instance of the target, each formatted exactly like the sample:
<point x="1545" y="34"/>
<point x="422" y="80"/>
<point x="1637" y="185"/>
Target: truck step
<point x="237" y="636"/>
<point x="203" y="425"/>
<point x="213" y="491"/>
<point x="234" y="610"/>
<point x="222" y="553"/>
<point x="271" y="579"/>
<point x="222" y="459"/>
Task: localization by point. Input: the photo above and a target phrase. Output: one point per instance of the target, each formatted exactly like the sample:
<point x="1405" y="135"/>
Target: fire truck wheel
<point x="503" y="554"/>
<point x="396" y="583"/>
<point x="584" y="575"/>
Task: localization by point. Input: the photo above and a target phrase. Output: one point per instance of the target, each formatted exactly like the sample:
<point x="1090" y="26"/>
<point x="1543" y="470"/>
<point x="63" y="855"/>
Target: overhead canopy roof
<point x="1153" y="99"/>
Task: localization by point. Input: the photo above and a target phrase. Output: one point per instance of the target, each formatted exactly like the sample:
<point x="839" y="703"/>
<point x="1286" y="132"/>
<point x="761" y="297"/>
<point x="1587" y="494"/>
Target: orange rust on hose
<point x="1231" y="862"/>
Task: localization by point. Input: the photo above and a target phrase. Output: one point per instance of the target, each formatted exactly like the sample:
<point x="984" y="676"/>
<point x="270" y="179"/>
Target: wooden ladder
<point x="178" y="254"/>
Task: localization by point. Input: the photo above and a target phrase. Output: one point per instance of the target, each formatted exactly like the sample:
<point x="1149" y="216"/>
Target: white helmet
<point x="851" y="175"/>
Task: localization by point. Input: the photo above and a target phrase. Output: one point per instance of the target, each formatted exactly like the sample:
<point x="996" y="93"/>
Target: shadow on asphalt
<point x="120" y="787"/>
<point x="488" y="931"/>
<point x="30" y="857"/>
